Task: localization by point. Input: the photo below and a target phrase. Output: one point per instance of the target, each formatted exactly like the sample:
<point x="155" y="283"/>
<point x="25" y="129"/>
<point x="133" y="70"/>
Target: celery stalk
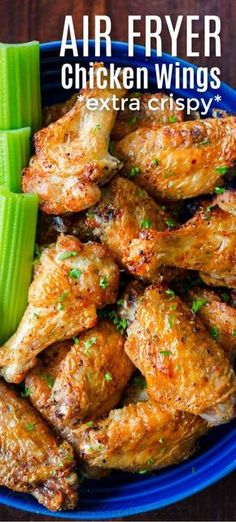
<point x="14" y="156"/>
<point x="18" y="218"/>
<point x="20" y="104"/>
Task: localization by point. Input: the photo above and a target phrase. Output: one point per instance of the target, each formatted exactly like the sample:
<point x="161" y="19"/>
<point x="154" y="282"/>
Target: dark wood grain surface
<point x="23" y="20"/>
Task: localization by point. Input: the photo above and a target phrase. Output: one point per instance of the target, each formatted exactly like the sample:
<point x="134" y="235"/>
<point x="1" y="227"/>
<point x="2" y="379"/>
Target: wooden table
<point x="23" y="20"/>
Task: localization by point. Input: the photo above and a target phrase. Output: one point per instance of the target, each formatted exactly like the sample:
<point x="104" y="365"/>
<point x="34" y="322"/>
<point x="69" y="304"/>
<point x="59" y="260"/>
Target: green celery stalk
<point x="20" y="102"/>
<point x="18" y="218"/>
<point x="14" y="156"/>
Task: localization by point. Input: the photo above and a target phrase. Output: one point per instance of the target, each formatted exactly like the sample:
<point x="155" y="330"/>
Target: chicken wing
<point x="207" y="242"/>
<point x="181" y="160"/>
<point x="92" y="376"/>
<point x="218" y="317"/>
<point x="129" y="120"/>
<point x="184" y="367"/>
<point x="71" y="281"/>
<point x="32" y="460"/>
<point x="139" y="438"/>
<point x="126" y="215"/>
<point x="72" y="156"/>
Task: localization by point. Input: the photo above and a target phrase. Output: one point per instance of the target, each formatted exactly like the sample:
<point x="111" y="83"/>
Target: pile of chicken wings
<point x="124" y="356"/>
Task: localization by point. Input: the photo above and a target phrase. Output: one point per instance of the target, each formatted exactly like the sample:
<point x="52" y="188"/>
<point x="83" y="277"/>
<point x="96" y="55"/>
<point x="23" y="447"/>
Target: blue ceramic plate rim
<point x="222" y="454"/>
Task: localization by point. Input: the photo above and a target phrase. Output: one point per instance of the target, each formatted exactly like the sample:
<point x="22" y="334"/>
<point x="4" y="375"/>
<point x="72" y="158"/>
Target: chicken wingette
<point x="125" y="215"/>
<point x="218" y="317"/>
<point x="181" y="160"/>
<point x="206" y="243"/>
<point x="143" y="238"/>
<point x="71" y="281"/>
<point x="184" y="367"/>
<point x="92" y="376"/>
<point x="139" y="437"/>
<point x="72" y="157"/>
<point x="32" y="460"/>
<point x="78" y="380"/>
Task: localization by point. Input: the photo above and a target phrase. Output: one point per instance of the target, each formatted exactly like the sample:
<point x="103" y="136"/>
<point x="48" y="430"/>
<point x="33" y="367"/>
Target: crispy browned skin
<point x="80" y="380"/>
<point x="227" y="201"/>
<point x="32" y="460"/>
<point x="61" y="303"/>
<point x="184" y="367"/>
<point x="218" y="317"/>
<point x="129" y="120"/>
<point x="72" y="157"/>
<point x="52" y="113"/>
<point x="188" y="156"/>
<point x="93" y="375"/>
<point x="126" y="215"/>
<point x="207" y="242"/>
<point x="139" y="437"/>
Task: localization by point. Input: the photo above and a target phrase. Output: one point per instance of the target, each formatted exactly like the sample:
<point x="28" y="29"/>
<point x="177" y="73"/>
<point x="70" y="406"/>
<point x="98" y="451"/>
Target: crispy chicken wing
<point x="207" y="242"/>
<point x="32" y="460"/>
<point x="72" y="156"/>
<point x="139" y="438"/>
<point x="184" y="367"/>
<point x="181" y="160"/>
<point x="92" y="376"/>
<point x="71" y="281"/>
<point x="129" y="120"/>
<point x="126" y="215"/>
<point x="218" y="317"/>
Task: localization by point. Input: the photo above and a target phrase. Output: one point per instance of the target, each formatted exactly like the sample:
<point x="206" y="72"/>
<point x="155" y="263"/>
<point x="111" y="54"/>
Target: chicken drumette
<point x="32" y="460"/>
<point x="181" y="160"/>
<point x="71" y="281"/>
<point x="72" y="157"/>
<point x="184" y="367"/>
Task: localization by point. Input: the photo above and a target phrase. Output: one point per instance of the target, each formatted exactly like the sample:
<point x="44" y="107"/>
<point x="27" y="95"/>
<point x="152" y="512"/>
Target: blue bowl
<point x="124" y="494"/>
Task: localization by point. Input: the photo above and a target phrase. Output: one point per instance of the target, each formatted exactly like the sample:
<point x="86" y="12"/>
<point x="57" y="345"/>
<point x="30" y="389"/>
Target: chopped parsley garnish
<point x="155" y="162"/>
<point x="208" y="211"/>
<point x="88" y="344"/>
<point x="112" y="148"/>
<point x="76" y="340"/>
<point x="173" y="119"/>
<point x="165" y="353"/>
<point x="46" y="377"/>
<point x="225" y="297"/>
<point x="197" y="304"/>
<point x="30" y="426"/>
<point x="140" y="381"/>
<point x="133" y="172"/>
<point x="61" y="300"/>
<point x="214" y="331"/>
<point x="75" y="273"/>
<point x="103" y="283"/>
<point x="65" y="255"/>
<point x="219" y="190"/>
<point x="26" y="392"/>
<point x="108" y="377"/>
<point x="120" y="302"/>
<point x="172" y="321"/>
<point x="204" y="142"/>
<point x="170" y="292"/>
<point x="170" y="222"/>
<point x="145" y="223"/>
<point x="132" y="120"/>
<point x="222" y="170"/>
<point x="170" y="184"/>
<point x="234" y="333"/>
<point x="90" y="424"/>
